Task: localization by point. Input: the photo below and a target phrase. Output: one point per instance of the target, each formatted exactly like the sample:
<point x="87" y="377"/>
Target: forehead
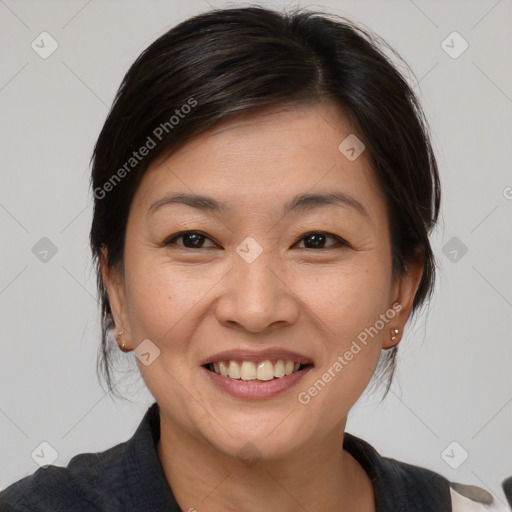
<point x="262" y="161"/>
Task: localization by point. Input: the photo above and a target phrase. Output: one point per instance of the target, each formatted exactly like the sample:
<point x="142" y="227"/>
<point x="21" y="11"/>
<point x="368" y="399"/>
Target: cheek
<point x="157" y="297"/>
<point x="166" y="300"/>
<point x="349" y="312"/>
<point x="349" y="303"/>
<point x="347" y="298"/>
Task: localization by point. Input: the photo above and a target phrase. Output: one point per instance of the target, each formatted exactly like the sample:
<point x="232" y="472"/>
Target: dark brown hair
<point x="231" y="61"/>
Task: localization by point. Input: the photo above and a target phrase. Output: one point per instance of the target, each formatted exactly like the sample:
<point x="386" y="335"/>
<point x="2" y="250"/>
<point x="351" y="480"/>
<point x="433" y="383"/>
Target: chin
<point x="261" y="435"/>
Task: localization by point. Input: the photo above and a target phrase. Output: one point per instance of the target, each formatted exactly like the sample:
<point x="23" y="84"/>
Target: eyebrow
<point x="299" y="203"/>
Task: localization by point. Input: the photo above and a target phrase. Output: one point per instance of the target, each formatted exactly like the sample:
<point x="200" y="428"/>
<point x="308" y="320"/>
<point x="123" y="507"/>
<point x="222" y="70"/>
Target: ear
<point x="404" y="291"/>
<point x="113" y="279"/>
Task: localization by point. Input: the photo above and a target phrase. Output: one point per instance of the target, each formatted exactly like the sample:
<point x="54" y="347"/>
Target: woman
<point x="264" y="192"/>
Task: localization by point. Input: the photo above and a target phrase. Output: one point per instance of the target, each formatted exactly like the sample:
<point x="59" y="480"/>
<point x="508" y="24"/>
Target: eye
<point x="191" y="239"/>
<point x="316" y="240"/>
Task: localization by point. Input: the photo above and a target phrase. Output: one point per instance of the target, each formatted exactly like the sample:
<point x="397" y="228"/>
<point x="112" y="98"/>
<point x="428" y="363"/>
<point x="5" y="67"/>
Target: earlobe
<point x="405" y="289"/>
<point x="113" y="282"/>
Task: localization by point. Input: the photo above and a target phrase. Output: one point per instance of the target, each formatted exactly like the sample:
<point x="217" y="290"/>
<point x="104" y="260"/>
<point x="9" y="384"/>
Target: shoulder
<point x="85" y="482"/>
<point x="462" y="497"/>
<point x="400" y="486"/>
<point x="127" y="476"/>
<point x="428" y="486"/>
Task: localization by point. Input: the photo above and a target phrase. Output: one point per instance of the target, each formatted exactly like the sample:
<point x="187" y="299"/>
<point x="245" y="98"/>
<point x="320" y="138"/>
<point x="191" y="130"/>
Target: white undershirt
<point x="462" y="504"/>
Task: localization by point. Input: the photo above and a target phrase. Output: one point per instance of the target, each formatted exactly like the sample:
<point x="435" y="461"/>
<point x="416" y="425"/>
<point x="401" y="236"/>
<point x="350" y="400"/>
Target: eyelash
<point x="340" y="242"/>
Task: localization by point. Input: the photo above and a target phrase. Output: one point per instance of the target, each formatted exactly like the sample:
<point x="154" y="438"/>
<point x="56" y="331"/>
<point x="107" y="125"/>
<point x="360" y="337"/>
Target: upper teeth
<point x="248" y="370"/>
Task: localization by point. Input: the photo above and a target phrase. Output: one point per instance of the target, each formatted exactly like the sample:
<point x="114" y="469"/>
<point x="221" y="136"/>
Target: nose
<point x="257" y="297"/>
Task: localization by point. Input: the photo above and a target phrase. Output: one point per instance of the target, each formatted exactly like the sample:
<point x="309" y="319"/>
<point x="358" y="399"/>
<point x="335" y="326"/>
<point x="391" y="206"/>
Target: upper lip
<point x="257" y="356"/>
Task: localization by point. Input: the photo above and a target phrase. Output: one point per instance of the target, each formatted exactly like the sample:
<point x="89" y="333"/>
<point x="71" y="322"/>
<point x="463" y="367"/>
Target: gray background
<point x="454" y="380"/>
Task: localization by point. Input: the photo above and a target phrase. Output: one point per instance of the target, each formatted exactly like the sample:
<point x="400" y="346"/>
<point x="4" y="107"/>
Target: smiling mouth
<point x="260" y="371"/>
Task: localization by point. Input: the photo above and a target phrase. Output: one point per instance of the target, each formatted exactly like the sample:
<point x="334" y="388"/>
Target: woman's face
<point x="304" y="284"/>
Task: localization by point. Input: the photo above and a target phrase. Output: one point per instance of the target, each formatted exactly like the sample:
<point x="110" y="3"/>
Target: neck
<point x="322" y="477"/>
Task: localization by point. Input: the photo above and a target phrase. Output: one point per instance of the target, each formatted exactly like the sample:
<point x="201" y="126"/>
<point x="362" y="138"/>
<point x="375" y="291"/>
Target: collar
<point x="143" y="470"/>
<point x="398" y="486"/>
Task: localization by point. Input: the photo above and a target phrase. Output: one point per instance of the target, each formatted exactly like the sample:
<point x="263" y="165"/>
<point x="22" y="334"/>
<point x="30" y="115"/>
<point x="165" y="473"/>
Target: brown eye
<point x="191" y="239"/>
<point x="317" y="240"/>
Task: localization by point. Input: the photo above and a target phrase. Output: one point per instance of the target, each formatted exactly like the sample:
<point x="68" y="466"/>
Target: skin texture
<point x="195" y="302"/>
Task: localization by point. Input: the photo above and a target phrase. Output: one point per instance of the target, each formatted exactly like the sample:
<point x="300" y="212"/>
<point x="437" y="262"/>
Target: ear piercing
<point x="122" y="346"/>
<point x="394" y="332"/>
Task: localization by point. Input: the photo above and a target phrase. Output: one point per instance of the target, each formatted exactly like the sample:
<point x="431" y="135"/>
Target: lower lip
<point x="254" y="389"/>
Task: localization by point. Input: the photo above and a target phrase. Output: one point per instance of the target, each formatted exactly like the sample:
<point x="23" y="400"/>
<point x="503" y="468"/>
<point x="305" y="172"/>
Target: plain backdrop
<point x="454" y="378"/>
